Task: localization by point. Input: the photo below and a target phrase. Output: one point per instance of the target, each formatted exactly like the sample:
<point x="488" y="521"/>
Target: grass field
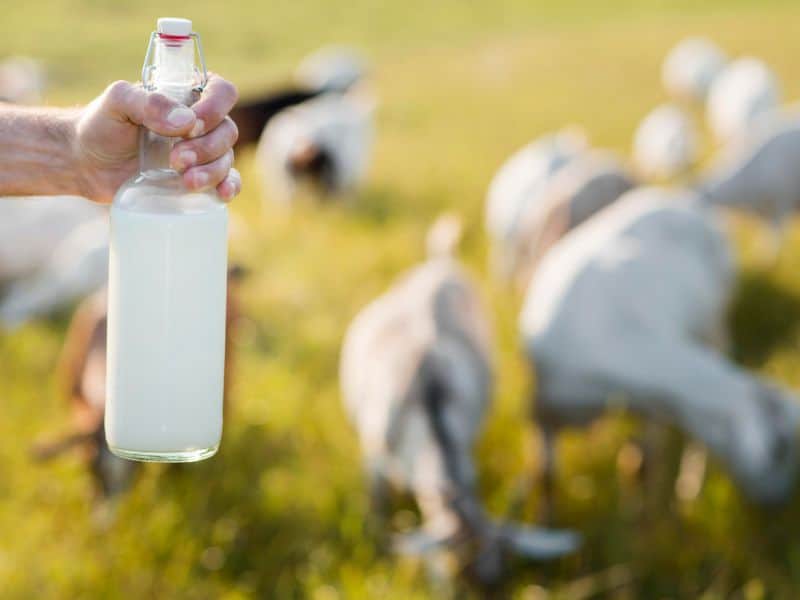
<point x="279" y="512"/>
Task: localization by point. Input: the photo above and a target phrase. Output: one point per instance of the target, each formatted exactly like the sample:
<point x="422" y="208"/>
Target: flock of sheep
<point x="626" y="284"/>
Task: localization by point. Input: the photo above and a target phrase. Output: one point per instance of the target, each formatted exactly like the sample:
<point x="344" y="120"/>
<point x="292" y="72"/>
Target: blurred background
<point x="279" y="512"/>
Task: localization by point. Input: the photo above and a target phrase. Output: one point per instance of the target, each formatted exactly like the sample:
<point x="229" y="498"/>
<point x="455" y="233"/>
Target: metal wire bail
<point x="147" y="68"/>
<point x="201" y="72"/>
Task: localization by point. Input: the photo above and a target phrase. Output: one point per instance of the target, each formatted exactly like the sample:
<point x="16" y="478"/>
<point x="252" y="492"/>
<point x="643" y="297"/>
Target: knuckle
<point x="207" y="151"/>
<point x="228" y="90"/>
<point x="212" y="147"/>
<point x="213" y="114"/>
<point x="117" y="92"/>
<point x="234" y="129"/>
<point x="157" y="101"/>
<point x="221" y="98"/>
<point x="223" y="165"/>
<point x="156" y="105"/>
<point x="216" y="174"/>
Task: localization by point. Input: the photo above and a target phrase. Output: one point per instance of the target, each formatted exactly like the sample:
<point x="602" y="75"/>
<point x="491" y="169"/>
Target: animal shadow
<point x="763" y="315"/>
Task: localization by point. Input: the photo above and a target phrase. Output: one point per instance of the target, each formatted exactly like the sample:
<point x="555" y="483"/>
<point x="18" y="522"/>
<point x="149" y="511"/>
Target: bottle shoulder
<point x="164" y="194"/>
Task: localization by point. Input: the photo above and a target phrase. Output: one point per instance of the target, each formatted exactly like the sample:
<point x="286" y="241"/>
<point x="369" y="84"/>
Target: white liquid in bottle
<point x="166" y="296"/>
<point x="166" y="332"/>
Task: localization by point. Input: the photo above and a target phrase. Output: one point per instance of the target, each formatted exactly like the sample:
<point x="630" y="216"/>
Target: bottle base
<point x="166" y="457"/>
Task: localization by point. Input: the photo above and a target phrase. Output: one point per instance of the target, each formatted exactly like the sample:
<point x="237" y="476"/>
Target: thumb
<point x="128" y="102"/>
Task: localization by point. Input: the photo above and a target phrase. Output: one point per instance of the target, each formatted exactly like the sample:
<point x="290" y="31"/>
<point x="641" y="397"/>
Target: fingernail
<point x="198" y="128"/>
<point x="187" y="158"/>
<point x="200" y="179"/>
<point x="180" y="116"/>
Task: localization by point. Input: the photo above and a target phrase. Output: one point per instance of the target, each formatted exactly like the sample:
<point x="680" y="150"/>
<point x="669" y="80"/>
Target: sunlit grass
<point x="280" y="512"/>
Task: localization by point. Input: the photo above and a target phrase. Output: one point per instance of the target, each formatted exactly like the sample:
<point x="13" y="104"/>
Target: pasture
<point x="280" y="512"/>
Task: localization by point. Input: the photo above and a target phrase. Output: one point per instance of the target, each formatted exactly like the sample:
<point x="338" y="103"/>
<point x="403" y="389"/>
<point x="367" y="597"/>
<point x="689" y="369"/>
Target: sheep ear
<point x="417" y="543"/>
<point x="364" y="98"/>
<point x="540" y="543"/>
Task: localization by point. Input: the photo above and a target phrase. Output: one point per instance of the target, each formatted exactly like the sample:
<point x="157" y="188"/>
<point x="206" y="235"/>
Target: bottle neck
<point x="154" y="153"/>
<point x="174" y="76"/>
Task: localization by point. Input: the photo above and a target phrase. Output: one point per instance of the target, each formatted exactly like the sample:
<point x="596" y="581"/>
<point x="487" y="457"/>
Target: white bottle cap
<point x="174" y="26"/>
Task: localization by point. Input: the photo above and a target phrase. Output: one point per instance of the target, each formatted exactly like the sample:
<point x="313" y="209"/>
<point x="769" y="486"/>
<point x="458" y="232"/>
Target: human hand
<point x="107" y="133"/>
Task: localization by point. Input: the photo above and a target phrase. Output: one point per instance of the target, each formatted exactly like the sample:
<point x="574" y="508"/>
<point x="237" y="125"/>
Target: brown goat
<point x="82" y="373"/>
<point x="251" y="115"/>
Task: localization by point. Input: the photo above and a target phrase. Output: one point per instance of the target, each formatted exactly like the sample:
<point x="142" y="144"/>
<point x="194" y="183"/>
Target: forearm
<point x="37" y="152"/>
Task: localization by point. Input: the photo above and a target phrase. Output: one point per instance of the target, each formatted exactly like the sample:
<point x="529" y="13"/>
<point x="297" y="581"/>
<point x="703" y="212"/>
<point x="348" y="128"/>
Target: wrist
<point x="74" y="179"/>
<point x="37" y="149"/>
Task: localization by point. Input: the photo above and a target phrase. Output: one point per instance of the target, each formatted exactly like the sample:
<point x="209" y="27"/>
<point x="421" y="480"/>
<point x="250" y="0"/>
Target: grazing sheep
<point x="580" y="189"/>
<point x="334" y="69"/>
<point x="78" y="266"/>
<point x="745" y="91"/>
<point x="665" y="143"/>
<point x="518" y="186"/>
<point x="251" y="115"/>
<point x="625" y="312"/>
<point x="324" y="143"/>
<point x="759" y="174"/>
<point x="690" y="67"/>
<point x="22" y="80"/>
<point x="416" y="379"/>
<point x="32" y="228"/>
<point x="83" y="377"/>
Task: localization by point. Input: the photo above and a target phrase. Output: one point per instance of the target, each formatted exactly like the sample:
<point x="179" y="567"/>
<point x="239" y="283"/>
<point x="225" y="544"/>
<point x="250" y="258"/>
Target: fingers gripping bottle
<point x="167" y="279"/>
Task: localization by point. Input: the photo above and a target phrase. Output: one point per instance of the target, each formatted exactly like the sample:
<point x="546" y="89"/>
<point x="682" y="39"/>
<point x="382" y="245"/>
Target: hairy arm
<point x="90" y="151"/>
<point x="37" y="153"/>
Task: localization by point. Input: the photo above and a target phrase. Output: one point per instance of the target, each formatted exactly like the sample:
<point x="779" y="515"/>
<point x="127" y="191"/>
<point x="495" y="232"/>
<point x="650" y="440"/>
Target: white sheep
<point x="626" y="311"/>
<point x="77" y="267"/>
<point x="759" y="174"/>
<point x="416" y="380"/>
<point x="31" y="228"/>
<point x="580" y="189"/>
<point x="83" y="378"/>
<point x="690" y="67"/>
<point x="332" y="68"/>
<point x="744" y="92"/>
<point x="324" y="143"/>
<point x="22" y="80"/>
<point x="665" y="143"/>
<point x="519" y="186"/>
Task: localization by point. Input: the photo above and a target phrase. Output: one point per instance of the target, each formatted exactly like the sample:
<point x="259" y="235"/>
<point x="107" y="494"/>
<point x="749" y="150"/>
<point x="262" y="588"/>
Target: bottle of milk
<point x="166" y="296"/>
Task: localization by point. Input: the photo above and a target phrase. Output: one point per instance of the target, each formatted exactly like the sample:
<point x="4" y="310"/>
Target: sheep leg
<point x="523" y="489"/>
<point x="379" y="505"/>
<point x="547" y="474"/>
<point x="692" y="473"/>
<point x="112" y="475"/>
<point x="544" y="475"/>
<point x="661" y="465"/>
<point x="774" y="240"/>
<point x="47" y="450"/>
<point x="378" y="496"/>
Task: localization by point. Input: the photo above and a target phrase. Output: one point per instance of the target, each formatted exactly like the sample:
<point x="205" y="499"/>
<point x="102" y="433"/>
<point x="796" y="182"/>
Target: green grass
<point x="280" y="511"/>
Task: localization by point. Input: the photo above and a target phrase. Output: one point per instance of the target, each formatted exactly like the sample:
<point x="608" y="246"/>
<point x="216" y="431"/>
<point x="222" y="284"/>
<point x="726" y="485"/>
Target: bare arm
<point x="37" y="154"/>
<point x="91" y="151"/>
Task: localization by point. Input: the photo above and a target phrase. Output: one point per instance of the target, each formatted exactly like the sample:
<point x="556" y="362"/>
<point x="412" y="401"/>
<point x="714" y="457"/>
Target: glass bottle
<point x="167" y="284"/>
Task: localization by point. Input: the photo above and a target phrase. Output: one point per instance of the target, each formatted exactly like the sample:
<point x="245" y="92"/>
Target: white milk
<point x="166" y="332"/>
